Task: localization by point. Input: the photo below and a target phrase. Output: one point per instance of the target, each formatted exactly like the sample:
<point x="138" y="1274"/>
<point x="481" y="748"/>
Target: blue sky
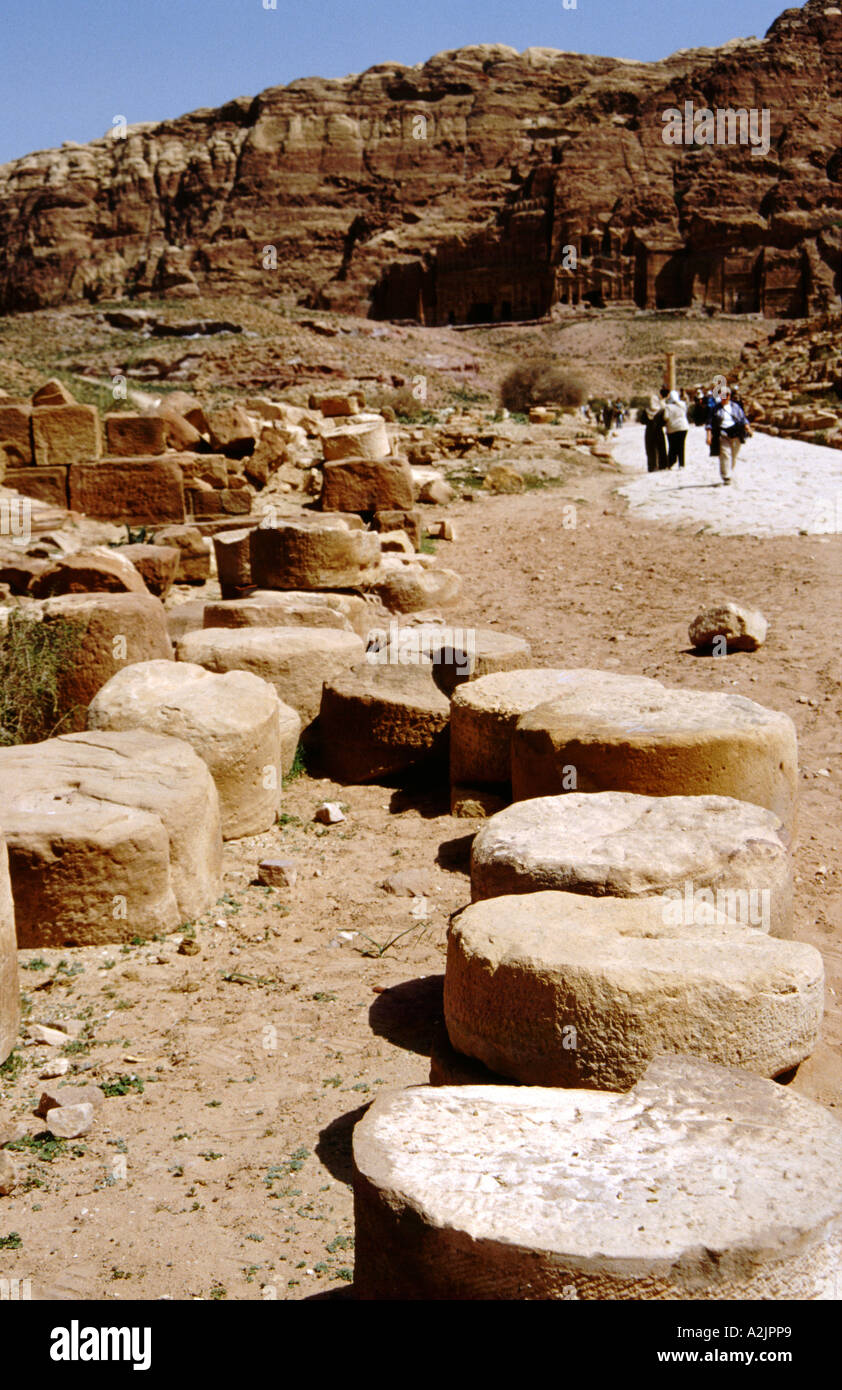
<point x="68" y="67"/>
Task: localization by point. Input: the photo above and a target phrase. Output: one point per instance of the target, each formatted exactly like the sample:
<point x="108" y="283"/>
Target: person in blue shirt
<point x="727" y="419"/>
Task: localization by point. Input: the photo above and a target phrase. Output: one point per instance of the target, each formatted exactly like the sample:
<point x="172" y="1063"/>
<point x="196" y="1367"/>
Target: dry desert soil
<point x="223" y="1170"/>
<point x="237" y="1059"/>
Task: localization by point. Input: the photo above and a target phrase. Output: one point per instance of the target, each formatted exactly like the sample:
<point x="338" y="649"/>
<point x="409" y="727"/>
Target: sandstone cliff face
<point x="454" y="190"/>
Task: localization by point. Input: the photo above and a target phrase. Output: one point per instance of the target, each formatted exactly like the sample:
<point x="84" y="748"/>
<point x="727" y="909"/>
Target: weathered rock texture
<point x="664" y="743"/>
<point x="95" y="571"/>
<point x="114" y="630"/>
<point x="291" y="608"/>
<point x="232" y="721"/>
<point x="147" y="490"/>
<point x="295" y="660"/>
<point x="378" y="721"/>
<point x="556" y="989"/>
<point x="407" y="586"/>
<point x="322" y="552"/>
<point x="737" y="628"/>
<point x="9" y="986"/>
<point x="704" y="1182"/>
<point x="793" y="383"/>
<point x="376" y="182"/>
<point x="627" y="846"/>
<point x="110" y="836"/>
<point x="486" y="711"/>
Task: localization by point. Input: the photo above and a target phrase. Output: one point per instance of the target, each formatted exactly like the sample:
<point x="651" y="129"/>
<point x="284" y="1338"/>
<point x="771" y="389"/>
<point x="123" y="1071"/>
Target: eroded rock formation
<point x="455" y="190"/>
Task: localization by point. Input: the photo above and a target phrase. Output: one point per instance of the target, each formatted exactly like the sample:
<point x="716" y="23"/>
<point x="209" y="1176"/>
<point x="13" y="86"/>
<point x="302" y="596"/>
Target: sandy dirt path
<point x="782" y="487"/>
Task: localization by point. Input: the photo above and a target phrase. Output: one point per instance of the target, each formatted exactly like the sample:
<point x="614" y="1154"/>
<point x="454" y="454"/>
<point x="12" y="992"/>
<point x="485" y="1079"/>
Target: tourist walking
<point x="652" y="417"/>
<point x="728" y="420"/>
<point x="712" y="401"/>
<point x="675" y="414"/>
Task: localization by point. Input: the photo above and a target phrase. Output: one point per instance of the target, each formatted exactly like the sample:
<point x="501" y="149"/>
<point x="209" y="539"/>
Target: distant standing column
<point x="669" y="372"/>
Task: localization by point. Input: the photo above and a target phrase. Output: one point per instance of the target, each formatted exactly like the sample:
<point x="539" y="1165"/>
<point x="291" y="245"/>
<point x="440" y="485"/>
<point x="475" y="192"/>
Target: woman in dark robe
<point x="656" y="445"/>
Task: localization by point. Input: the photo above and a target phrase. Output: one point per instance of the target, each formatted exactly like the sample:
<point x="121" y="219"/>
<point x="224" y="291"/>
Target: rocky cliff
<point x="484" y="184"/>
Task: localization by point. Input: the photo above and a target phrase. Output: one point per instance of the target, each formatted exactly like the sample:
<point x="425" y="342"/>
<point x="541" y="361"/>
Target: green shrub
<point x="406" y="406"/>
<point x="299" y="765"/>
<point x="33" y="655"/>
<point x="542" y="381"/>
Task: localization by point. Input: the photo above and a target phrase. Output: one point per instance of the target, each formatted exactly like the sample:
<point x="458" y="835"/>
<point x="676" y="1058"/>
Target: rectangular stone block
<point x="335" y="403"/>
<point x="47" y="484"/>
<point x="194" y="552"/>
<point x="203" y="503"/>
<point x="16" y="434"/>
<point x="143" y="490"/>
<point x="409" y="521"/>
<point x="65" y="434"/>
<point x="367" y="485"/>
<point x="128" y="435"/>
<point x="219" y="502"/>
<point x="236" y="501"/>
<point x="206" y="468"/>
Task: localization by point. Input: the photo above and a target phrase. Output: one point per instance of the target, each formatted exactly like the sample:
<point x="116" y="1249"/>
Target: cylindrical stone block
<point x="558" y="989"/>
<point x="325" y="553"/>
<point x="231" y="720"/>
<point x="617" y="844"/>
<point x="668" y="743"/>
<point x="486" y="711"/>
<point x="703" y="1182"/>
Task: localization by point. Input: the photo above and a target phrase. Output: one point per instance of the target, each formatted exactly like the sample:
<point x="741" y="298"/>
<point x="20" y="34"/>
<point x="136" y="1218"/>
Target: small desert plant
<point x="406" y="406"/>
<point x="466" y="395"/>
<point x="33" y="655"/>
<point x="542" y="381"/>
<point x="299" y="765"/>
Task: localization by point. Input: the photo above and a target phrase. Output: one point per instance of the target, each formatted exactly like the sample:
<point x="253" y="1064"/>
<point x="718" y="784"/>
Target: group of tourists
<point x="610" y="414"/>
<point x="718" y="409"/>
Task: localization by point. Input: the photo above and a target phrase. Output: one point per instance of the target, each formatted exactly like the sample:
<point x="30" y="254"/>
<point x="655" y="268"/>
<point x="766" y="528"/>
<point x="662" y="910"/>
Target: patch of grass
<point x="11" y="1069"/>
<point x="299" y="769"/>
<point x="75" y="967"/>
<point x="42" y="1146"/>
<point x="293" y="1164"/>
<point x="467" y="395"/>
<point x="11" y="1242"/>
<point x="123" y="1085"/>
<point x="535" y="482"/>
<point x="377" y="949"/>
<point x="340" y="1243"/>
<point x="465" y="480"/>
<point x="33" y="656"/>
<point x="36" y="964"/>
<point x="427" y="546"/>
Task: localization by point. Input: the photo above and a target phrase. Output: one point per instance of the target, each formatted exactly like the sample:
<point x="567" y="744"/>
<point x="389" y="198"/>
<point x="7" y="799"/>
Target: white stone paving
<point x="782" y="487"/>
